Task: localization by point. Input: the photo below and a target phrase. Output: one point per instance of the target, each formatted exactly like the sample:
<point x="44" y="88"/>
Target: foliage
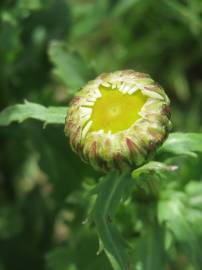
<point x="54" y="208"/>
<point x="51" y="115"/>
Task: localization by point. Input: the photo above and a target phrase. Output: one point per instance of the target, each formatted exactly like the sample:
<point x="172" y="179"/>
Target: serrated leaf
<point x="177" y="211"/>
<point x="21" y="112"/>
<point x="184" y="222"/>
<point x="183" y="144"/>
<point x="172" y="212"/>
<point x="110" y="192"/>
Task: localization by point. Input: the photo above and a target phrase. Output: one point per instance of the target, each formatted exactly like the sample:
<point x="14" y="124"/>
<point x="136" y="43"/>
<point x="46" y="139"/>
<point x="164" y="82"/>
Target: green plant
<point x="52" y="205"/>
<point x="166" y="210"/>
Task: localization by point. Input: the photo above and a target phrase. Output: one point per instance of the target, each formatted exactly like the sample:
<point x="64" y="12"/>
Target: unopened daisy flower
<point x="118" y="120"/>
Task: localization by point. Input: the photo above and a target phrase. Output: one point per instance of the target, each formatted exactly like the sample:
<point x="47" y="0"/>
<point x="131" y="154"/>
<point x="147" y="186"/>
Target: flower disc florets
<point x="118" y="120"/>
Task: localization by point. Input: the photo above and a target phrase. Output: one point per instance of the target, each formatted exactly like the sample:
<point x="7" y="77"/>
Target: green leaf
<point x="181" y="212"/>
<point x="21" y="112"/>
<point x="69" y="66"/>
<point x="194" y="190"/>
<point x="179" y="217"/>
<point x="111" y="191"/>
<point x="149" y="253"/>
<point x="172" y="212"/>
<point x="183" y="144"/>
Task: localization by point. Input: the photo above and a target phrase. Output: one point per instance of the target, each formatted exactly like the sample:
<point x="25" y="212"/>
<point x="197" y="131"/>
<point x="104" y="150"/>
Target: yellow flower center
<point x="116" y="111"/>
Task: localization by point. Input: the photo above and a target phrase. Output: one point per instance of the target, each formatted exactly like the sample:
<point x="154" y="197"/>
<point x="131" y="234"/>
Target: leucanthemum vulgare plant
<point x="119" y="123"/>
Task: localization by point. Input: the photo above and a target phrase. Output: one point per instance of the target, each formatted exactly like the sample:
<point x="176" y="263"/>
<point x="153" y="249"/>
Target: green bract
<point x="118" y="120"/>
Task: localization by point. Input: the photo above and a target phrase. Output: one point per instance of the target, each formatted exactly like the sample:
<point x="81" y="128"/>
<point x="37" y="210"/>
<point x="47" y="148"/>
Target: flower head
<point x="118" y="120"/>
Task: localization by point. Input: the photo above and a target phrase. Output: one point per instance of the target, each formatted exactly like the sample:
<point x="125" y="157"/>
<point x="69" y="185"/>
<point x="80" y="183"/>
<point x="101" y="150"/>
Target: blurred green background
<point x="48" y="50"/>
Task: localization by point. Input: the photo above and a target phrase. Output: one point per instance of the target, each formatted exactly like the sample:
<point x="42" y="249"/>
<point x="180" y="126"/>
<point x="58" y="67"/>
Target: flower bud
<point x="118" y="120"/>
